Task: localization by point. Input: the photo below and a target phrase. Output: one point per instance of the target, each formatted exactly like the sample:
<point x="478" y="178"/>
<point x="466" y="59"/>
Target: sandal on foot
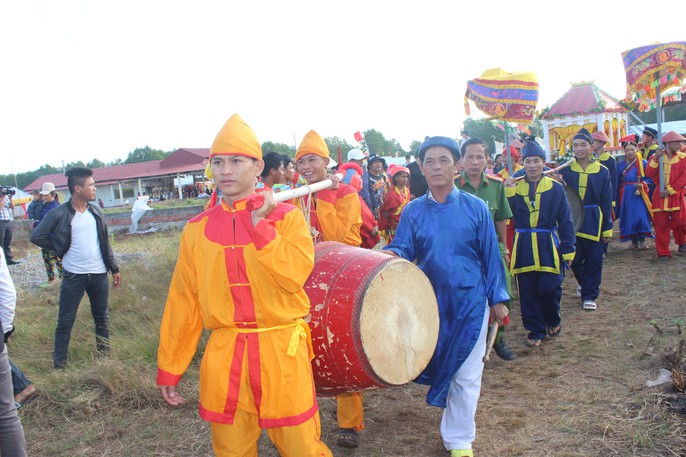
<point x="554" y="331"/>
<point x="533" y="343"/>
<point x="348" y="437"/>
<point x="589" y="305"/>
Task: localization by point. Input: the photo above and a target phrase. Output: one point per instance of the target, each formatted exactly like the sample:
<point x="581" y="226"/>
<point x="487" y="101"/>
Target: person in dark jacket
<point x="35" y="207"/>
<point x="76" y="231"/>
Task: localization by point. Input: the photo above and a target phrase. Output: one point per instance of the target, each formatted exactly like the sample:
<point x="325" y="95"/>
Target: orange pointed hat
<point x="236" y="138"/>
<point x="312" y="144"/>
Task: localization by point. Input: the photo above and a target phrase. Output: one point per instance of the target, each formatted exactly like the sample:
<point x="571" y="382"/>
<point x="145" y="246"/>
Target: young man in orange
<point x="240" y="273"/>
<point x="668" y="205"/>
<point x="334" y="215"/>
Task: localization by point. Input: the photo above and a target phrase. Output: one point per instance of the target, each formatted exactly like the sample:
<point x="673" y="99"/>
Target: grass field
<point x="581" y="394"/>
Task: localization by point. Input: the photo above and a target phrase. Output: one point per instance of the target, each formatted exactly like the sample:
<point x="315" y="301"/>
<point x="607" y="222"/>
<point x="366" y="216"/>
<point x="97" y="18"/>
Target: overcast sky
<point x="85" y="79"/>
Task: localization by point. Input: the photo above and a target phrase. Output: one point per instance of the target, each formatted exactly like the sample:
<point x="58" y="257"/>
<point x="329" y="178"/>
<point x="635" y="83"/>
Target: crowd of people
<point x="473" y="224"/>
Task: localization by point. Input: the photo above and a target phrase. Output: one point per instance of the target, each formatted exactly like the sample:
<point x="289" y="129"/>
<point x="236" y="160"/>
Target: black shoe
<point x="12" y="262"/>
<point x="664" y="257"/>
<point x="504" y="351"/>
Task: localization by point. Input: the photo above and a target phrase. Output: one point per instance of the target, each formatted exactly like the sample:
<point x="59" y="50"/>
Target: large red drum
<point x="374" y="319"/>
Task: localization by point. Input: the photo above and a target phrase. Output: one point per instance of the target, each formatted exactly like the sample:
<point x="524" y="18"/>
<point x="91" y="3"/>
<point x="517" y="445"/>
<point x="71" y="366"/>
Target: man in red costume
<point x="669" y="211"/>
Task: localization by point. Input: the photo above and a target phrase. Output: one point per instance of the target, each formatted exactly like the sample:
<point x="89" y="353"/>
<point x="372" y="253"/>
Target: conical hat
<point x="671" y="137"/>
<point x="312" y="144"/>
<point x="236" y="138"/>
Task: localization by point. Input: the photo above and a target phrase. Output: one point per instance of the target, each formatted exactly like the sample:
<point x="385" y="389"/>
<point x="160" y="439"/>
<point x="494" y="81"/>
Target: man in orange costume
<point x="334" y="215"/>
<point x="240" y="273"/>
<point x="668" y="205"/>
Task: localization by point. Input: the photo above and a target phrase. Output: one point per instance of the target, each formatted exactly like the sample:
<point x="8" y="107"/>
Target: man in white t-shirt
<point x="78" y="234"/>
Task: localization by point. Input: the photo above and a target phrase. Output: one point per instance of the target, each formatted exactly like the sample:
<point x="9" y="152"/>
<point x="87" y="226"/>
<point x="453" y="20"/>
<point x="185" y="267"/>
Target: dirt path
<point x="580" y="394"/>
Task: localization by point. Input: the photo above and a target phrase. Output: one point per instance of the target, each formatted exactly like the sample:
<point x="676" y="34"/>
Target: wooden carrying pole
<point x="304" y="190"/>
<point x="659" y="137"/>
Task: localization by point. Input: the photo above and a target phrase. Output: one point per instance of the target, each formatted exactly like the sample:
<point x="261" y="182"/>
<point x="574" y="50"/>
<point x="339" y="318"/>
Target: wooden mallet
<point x="490" y="339"/>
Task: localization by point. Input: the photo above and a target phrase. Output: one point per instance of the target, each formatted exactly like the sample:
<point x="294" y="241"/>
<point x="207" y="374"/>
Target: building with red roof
<point x="116" y="184"/>
<point x="583" y="105"/>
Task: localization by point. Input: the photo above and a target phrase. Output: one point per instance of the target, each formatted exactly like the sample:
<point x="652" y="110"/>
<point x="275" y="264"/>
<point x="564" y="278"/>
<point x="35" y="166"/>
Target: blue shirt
<point x="455" y="245"/>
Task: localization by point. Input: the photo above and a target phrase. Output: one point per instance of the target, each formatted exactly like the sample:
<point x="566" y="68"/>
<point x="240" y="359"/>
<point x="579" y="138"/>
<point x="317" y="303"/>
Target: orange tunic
<point x="336" y="215"/>
<point x="245" y="284"/>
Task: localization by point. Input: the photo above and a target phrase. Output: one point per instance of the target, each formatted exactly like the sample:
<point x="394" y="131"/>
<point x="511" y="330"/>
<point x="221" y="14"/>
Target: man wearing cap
<point x="649" y="146"/>
<point x="633" y="204"/>
<point x="374" y="184"/>
<point x="591" y="181"/>
<point x="600" y="139"/>
<point x="334" y="214"/>
<point x="543" y="244"/>
<point x="353" y="168"/>
<point x="240" y="273"/>
<point x="488" y="188"/>
<point x="668" y="204"/>
<point x="50" y="202"/>
<point x="451" y="236"/>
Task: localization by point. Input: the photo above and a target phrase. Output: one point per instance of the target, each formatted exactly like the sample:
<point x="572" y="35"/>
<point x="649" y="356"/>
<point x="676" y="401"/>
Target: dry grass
<point x="580" y="394"/>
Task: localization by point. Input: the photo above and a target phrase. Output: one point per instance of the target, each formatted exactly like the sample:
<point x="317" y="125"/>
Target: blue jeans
<point x="19" y="381"/>
<point x="97" y="287"/>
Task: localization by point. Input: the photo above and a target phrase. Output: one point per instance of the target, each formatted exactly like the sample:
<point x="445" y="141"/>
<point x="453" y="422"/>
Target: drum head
<point x="576" y="207"/>
<point x="399" y="322"/>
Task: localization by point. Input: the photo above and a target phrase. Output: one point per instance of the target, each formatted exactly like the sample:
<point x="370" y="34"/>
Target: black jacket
<point x="418" y="184"/>
<point x="54" y="232"/>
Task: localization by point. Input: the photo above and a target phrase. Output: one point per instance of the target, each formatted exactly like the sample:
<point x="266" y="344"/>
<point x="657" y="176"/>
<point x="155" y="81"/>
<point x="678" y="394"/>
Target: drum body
<point x="374" y="319"/>
<point x="576" y="207"/>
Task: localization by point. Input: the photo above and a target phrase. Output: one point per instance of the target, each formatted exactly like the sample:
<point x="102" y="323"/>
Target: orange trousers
<point x="240" y="439"/>
<point x="350" y="410"/>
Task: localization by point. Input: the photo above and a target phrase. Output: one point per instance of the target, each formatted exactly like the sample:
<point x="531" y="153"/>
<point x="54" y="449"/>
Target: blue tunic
<point x="594" y="188"/>
<point x="544" y="230"/>
<point x="633" y="210"/>
<point x="455" y="245"/>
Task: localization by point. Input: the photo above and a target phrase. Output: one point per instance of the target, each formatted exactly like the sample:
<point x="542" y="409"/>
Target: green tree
<point x="144" y="155"/>
<point x="281" y="148"/>
<point x="392" y="147"/>
<point x="95" y="163"/>
<point x="375" y="142"/>
<point x="414" y="148"/>
<point x="333" y="143"/>
<point x="78" y="163"/>
<point x="486" y="130"/>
